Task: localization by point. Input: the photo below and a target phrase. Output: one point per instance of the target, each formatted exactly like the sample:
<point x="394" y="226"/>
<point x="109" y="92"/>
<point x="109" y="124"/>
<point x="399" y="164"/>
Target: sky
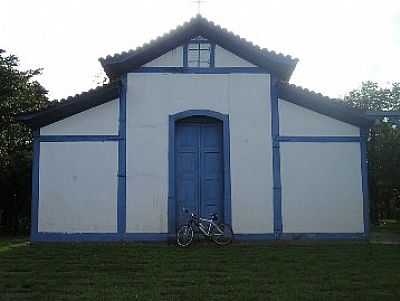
<point x="339" y="43"/>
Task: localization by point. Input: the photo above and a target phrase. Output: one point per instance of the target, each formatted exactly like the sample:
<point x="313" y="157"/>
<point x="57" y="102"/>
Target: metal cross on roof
<point x="199" y="2"/>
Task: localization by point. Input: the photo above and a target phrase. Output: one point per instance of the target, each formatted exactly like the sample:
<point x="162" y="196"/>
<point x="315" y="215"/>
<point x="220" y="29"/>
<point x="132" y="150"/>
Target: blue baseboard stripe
<point x="323" y="236"/>
<point x="162" y="237"/>
<point x="250" y="237"/>
<point x="98" y="237"/>
<point x="319" y="138"/>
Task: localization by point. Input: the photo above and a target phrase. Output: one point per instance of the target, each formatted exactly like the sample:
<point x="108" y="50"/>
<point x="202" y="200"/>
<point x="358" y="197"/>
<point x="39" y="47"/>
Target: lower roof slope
<point x="64" y="108"/>
<point x="334" y="108"/>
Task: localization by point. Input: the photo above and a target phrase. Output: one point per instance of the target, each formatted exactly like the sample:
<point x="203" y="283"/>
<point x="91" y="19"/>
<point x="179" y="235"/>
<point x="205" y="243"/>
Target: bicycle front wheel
<point x="184" y="237"/>
<point x="222" y="235"/>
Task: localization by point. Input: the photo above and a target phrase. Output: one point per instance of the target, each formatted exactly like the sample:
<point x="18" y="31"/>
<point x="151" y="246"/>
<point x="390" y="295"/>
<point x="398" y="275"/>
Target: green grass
<point x="202" y="272"/>
<point x="388" y="226"/>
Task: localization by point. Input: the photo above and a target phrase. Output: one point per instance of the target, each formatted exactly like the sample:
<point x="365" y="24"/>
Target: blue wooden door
<point x="199" y="168"/>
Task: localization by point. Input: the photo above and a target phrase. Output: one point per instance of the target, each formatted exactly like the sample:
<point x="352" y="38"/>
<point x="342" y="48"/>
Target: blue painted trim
<point x="121" y="191"/>
<point x="276" y="158"/>
<point x="192" y="70"/>
<point x="35" y="185"/>
<point x="82" y="138"/>
<point x="212" y="56"/>
<point x="364" y="172"/>
<point x="185" y="56"/>
<point x="227" y="170"/>
<point x="99" y="237"/>
<point x="319" y="139"/>
<point x="199" y="41"/>
<point x="323" y="236"/>
<point x="145" y="237"/>
<point x="171" y="179"/>
<point x="249" y="237"/>
<point x="162" y="237"/>
<point x="171" y="165"/>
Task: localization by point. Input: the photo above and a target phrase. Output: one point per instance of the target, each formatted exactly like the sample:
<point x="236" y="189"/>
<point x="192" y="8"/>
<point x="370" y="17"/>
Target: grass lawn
<point x="203" y="272"/>
<point x="388" y="231"/>
<point x="388" y="226"/>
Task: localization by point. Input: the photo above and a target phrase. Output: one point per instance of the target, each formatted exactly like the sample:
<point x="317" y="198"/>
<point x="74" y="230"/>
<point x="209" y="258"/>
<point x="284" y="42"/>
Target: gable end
<point x="278" y="64"/>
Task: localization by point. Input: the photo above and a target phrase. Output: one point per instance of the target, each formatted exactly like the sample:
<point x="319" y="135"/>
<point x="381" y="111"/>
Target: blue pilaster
<point x="364" y="171"/>
<point x="276" y="160"/>
<point x="35" y="185"/>
<point x="121" y="199"/>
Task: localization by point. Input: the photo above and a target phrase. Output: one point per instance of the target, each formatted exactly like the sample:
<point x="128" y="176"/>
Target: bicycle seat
<point x="214" y="216"/>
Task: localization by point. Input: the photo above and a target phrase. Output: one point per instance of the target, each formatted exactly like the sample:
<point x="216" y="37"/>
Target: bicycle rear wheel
<point x="222" y="236"/>
<point x="184" y="237"/>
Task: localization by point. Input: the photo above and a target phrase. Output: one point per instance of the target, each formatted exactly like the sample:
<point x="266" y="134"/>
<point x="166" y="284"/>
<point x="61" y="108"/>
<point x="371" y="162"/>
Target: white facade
<point x="321" y="182"/>
<point x="147" y="144"/>
<point x="298" y="121"/>
<point x="100" y="120"/>
<point x="321" y="187"/>
<point x="78" y="187"/>
<point x="172" y="58"/>
<point x="225" y="58"/>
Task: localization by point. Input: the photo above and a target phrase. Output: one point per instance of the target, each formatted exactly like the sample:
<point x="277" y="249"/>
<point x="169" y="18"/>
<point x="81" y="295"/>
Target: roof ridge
<point x="124" y="55"/>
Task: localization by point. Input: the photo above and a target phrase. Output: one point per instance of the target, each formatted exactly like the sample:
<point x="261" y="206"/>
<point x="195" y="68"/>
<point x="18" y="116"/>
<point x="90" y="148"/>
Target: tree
<point x="383" y="148"/>
<point x="19" y="92"/>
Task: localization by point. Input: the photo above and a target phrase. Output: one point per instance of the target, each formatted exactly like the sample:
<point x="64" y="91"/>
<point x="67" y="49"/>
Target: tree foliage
<point x="19" y="92"/>
<point x="383" y="148"/>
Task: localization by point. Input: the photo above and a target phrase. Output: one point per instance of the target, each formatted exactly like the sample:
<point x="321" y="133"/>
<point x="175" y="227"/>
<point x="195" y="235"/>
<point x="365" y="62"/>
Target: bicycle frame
<point x="205" y="225"/>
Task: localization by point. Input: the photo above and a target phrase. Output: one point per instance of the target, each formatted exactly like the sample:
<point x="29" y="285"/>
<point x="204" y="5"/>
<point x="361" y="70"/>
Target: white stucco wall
<point x="173" y="58"/>
<point x="78" y="187"/>
<point x="295" y="120"/>
<point x="321" y="187"/>
<point x="100" y="120"/>
<point x="225" y="58"/>
<point x="151" y="98"/>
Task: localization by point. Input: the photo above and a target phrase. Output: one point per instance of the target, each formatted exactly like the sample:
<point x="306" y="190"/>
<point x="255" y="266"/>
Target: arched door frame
<point x="171" y="168"/>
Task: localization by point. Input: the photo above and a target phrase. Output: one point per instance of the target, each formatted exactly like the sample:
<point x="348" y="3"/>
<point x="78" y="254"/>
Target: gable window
<point x="200" y="53"/>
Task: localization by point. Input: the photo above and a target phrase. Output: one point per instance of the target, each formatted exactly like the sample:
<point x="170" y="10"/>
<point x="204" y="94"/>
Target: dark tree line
<point x="20" y="92"/>
<point x="383" y="148"/>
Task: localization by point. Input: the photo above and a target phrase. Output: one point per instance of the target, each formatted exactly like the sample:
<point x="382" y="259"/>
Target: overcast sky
<point x="339" y="43"/>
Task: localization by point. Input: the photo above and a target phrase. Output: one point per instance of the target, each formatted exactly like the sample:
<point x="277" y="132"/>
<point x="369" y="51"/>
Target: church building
<point x="198" y="119"/>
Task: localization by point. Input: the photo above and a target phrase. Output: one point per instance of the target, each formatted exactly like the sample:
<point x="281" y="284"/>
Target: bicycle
<point x="221" y="234"/>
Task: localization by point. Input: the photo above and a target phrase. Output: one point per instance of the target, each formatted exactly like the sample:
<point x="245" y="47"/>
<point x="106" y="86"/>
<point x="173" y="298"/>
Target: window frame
<point x="199" y="41"/>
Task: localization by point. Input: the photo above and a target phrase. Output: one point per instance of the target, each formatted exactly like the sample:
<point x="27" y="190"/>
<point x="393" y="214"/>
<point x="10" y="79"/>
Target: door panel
<point x="211" y="170"/>
<point x="187" y="161"/>
<point x="199" y="168"/>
